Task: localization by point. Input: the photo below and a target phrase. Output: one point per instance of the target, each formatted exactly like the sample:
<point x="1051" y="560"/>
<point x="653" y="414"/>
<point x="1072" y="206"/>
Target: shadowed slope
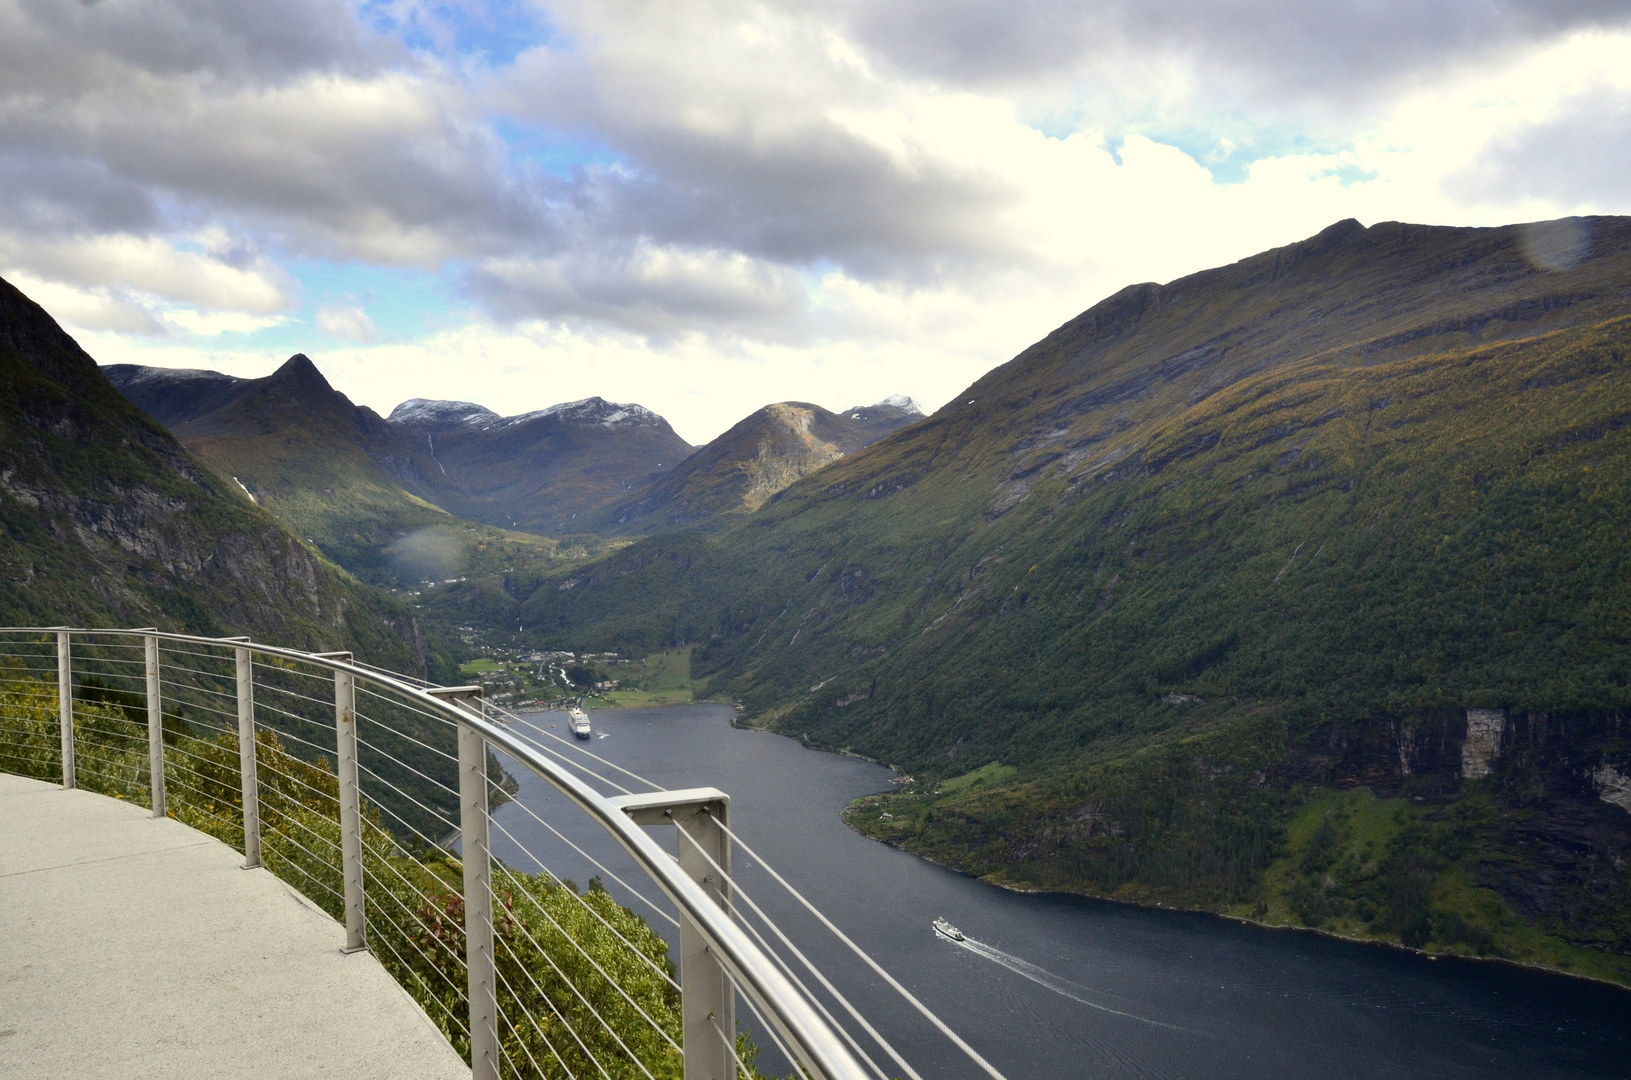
<point x="551" y="471"/>
<point x="107" y="519"/>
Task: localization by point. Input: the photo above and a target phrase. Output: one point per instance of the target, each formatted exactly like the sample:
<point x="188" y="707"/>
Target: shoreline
<point x="1246" y="921"/>
<point x="898" y="777"/>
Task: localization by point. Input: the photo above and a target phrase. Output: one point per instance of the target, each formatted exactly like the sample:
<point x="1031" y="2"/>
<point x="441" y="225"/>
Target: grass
<point x="1341" y="849"/>
<point x="664" y="678"/>
<point x="989" y="775"/>
<point x="634" y="699"/>
<point x="482" y="666"/>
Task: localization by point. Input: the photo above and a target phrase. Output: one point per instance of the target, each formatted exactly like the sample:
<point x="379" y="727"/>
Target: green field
<point x="663" y="678"/>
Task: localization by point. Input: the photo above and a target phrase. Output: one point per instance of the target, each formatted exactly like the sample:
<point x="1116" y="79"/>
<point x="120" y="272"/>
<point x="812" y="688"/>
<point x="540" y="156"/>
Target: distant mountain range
<point x="327" y="464"/>
<point x="1140" y="605"/>
<point x="1295" y="588"/>
<point x="754" y="461"/>
<point x="356" y="483"/>
<point x="107" y="520"/>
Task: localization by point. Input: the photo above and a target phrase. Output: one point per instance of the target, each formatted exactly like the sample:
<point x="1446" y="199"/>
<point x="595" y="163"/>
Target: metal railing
<point x="374" y="795"/>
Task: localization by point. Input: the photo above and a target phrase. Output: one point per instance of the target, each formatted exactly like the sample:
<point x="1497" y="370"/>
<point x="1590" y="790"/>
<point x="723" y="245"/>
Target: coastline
<point x="897" y="777"/>
<point x="1244" y="919"/>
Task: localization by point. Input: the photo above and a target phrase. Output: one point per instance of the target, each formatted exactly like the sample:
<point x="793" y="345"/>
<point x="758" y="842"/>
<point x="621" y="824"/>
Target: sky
<point x="704" y="206"/>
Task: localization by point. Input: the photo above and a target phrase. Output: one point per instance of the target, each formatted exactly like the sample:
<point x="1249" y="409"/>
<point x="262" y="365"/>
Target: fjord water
<point x="1052" y="987"/>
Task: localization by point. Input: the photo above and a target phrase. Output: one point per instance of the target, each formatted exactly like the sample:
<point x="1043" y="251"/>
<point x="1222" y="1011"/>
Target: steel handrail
<point x="820" y="1049"/>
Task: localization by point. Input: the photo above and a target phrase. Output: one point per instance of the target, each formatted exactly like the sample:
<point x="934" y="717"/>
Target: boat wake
<point x="1060" y="986"/>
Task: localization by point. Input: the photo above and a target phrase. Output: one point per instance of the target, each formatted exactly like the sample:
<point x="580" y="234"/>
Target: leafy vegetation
<point x="559" y="951"/>
<point x="663" y="678"/>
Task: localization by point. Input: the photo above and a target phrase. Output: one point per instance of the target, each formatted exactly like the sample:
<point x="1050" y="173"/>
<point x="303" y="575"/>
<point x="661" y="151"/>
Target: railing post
<point x="478" y="893"/>
<point x="155" y="727"/>
<point x="707" y="999"/>
<point x="345" y="738"/>
<point x="247" y="769"/>
<point x="65" y="705"/>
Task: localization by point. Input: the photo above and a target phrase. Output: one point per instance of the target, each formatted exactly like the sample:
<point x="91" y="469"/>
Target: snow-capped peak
<point x="437" y="417"/>
<point x="593" y="410"/>
<point x="445" y="417"/>
<point x="894" y="401"/>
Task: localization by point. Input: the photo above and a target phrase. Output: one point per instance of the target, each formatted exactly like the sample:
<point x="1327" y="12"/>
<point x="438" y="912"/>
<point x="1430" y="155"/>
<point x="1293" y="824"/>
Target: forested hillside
<point x="108" y="521"/>
<point x="1211" y="550"/>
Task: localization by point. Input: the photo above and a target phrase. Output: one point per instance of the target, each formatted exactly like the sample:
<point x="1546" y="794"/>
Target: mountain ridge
<point x="108" y="519"/>
<point x="753" y="461"/>
<point x="1166" y="547"/>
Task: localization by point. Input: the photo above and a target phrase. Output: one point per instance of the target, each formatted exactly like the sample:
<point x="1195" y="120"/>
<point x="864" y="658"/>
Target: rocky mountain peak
<point x="298" y="371"/>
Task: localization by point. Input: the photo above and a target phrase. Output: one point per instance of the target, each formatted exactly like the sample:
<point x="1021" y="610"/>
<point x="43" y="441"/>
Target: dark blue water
<point x="1101" y="989"/>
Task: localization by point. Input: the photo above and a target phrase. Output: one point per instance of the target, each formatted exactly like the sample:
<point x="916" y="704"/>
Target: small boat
<point x="580" y="722"/>
<point x="947" y="930"/>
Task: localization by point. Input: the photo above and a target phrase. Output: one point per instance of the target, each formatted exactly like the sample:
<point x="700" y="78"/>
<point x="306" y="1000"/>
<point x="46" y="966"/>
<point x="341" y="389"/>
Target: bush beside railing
<point x="545" y="931"/>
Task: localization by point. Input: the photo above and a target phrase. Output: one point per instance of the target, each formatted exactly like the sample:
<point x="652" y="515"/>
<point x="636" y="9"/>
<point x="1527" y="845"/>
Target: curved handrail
<point x="820" y="1049"/>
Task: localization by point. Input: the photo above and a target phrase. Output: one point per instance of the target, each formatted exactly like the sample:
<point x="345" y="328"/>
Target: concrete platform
<point x="136" y="948"/>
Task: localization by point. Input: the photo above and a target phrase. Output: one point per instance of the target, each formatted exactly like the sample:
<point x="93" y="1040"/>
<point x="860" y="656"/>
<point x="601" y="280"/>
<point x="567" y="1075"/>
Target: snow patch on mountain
<point x="593" y="410"/>
<point x="895" y="402"/>
<point x="443" y="417"/>
<point x="438" y="417"/>
<point x="137" y="375"/>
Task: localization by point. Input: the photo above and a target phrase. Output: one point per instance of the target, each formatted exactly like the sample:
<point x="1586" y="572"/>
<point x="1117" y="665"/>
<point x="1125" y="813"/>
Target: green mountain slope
<point x="758" y="457"/>
<point x="1206" y="552"/>
<point x="107" y="520"/>
<point x="345" y="480"/>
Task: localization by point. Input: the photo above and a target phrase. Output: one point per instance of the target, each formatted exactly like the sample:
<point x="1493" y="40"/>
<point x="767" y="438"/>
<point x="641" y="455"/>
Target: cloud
<point x="1325" y="53"/>
<point x="346" y="323"/>
<point x="1578" y="156"/>
<point x="716" y="202"/>
<point x="91" y="309"/>
<point x="148" y="265"/>
<point x="645" y="288"/>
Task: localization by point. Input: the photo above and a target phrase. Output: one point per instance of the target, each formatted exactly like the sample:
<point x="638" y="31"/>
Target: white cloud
<point x="215" y="323"/>
<point x="346" y="323"/>
<point x="831" y="203"/>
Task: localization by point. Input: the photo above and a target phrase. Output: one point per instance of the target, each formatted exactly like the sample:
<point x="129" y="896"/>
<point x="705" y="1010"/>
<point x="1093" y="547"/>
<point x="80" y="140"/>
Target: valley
<point x="1292" y="590"/>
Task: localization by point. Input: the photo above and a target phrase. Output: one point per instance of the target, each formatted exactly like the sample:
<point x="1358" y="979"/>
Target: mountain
<point x="170" y="395"/>
<point x="441" y="417"/>
<point x="550" y="471"/>
<point x="1293" y="588"/>
<point x="354" y="482"/>
<point x="760" y="456"/>
<point x="873" y="422"/>
<point x="332" y="471"/>
<point x="109" y="521"/>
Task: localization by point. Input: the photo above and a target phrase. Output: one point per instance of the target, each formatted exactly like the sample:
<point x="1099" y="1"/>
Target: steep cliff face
<point x="105" y="519"/>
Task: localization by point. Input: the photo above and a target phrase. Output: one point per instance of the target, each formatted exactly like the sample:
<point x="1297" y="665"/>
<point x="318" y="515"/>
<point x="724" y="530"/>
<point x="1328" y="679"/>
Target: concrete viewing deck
<point x="132" y="947"/>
